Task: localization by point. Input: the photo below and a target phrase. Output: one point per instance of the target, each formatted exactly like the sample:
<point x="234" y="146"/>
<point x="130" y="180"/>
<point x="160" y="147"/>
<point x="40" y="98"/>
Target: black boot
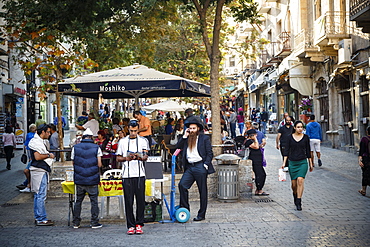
<point x="8" y="167"/>
<point x="299" y="204"/>
<point x="295" y="199"/>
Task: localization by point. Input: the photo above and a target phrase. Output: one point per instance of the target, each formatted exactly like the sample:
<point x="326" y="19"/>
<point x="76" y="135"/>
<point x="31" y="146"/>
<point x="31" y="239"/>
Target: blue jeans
<point x="92" y="191"/>
<point x="241" y="128"/>
<point x="232" y="129"/>
<point x="263" y="125"/>
<point x="39" y="200"/>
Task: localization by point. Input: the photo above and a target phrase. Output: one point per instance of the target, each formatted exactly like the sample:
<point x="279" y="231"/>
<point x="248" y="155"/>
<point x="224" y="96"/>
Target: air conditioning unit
<point x="345" y="51"/>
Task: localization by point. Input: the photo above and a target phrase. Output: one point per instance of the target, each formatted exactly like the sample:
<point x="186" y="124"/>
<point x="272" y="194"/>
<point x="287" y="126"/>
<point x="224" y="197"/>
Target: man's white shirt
<point x="93" y="124"/>
<point x="133" y="168"/>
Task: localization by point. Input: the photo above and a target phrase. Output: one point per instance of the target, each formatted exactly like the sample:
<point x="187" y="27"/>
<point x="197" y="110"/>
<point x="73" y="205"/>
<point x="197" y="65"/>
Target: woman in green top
<point x="298" y="151"/>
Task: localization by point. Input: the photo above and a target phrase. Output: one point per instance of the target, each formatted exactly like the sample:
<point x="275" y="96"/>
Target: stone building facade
<point x="317" y="52"/>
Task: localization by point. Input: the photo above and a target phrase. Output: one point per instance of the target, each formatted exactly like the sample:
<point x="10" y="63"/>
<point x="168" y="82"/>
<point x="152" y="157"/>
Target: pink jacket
<point x="9" y="139"/>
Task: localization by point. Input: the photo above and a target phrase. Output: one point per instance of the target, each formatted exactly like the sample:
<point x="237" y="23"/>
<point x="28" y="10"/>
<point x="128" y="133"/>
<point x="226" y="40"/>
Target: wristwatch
<point x="48" y="155"/>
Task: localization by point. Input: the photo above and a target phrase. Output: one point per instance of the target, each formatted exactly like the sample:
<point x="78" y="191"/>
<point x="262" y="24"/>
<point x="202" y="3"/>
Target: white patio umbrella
<point x="168" y="105"/>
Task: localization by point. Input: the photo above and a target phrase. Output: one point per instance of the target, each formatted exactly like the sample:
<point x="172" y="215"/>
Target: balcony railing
<point x="278" y="49"/>
<point x="284" y="44"/>
<point x="271" y="48"/>
<point x="331" y="25"/>
<point x="264" y="57"/>
<point x="304" y="41"/>
<point x="356" y="6"/>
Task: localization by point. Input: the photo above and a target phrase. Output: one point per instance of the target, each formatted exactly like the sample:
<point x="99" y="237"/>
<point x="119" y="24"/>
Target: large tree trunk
<point x="215" y="103"/>
<point x="214" y="55"/>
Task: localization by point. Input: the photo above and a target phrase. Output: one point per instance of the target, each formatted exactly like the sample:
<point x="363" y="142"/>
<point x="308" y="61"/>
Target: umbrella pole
<point x="137" y="102"/>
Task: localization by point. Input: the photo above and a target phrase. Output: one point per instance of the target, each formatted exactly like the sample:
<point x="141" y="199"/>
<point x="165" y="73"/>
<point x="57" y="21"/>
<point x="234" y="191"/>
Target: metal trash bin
<point x="228" y="177"/>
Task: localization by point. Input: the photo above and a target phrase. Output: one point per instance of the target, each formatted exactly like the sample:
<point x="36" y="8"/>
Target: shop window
<point x="364" y="92"/>
<point x="365" y="105"/>
<point x="323" y="103"/>
<point x="232" y="61"/>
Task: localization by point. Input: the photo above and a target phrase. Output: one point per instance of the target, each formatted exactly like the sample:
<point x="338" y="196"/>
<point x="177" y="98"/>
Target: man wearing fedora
<point x="197" y="160"/>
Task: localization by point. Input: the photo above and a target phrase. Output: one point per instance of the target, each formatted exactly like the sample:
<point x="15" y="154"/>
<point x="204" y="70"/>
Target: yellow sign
<point x="107" y="187"/>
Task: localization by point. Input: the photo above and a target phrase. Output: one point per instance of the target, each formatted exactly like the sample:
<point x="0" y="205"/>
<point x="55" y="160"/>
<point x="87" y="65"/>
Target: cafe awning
<point x="256" y="83"/>
<point x="299" y="78"/>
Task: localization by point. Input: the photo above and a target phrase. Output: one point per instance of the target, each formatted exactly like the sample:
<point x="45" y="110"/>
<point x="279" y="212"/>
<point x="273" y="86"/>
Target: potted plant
<point x="306" y="109"/>
<point x="306" y="106"/>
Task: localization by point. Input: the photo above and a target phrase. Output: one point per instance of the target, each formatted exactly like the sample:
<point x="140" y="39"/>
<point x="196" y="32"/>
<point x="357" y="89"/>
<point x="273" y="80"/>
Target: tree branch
<point x="217" y="29"/>
<point x="203" y="24"/>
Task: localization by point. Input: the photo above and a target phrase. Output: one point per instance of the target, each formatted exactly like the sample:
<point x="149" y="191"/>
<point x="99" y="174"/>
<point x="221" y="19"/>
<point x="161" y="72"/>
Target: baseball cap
<point x="88" y="132"/>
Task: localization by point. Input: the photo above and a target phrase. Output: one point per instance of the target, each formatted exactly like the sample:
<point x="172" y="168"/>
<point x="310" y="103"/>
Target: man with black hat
<point x="197" y="160"/>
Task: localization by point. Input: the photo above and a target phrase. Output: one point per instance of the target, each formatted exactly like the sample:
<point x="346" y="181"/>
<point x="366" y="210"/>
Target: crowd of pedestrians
<point x="130" y="141"/>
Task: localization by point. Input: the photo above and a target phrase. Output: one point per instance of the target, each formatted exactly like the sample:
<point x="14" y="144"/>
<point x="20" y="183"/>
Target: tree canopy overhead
<point x="109" y="30"/>
<point x="117" y="33"/>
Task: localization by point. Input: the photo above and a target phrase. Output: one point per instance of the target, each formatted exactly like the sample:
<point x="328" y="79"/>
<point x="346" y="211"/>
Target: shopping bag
<point x="282" y="175"/>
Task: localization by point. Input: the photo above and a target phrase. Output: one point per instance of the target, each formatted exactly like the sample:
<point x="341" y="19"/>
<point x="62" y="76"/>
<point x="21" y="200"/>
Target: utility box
<point x="345" y="51"/>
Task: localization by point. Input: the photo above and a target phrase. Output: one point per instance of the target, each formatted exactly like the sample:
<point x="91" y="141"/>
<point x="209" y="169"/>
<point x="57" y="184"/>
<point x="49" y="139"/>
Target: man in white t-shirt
<point x="92" y="124"/>
<point x="133" y="151"/>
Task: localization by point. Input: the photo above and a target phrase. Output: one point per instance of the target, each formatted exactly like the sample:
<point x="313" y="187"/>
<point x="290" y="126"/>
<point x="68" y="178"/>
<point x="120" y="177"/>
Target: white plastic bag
<point x="282" y="175"/>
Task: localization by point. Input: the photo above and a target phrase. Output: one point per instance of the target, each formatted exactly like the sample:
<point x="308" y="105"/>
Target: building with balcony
<point x="360" y="13"/>
<point x="317" y="50"/>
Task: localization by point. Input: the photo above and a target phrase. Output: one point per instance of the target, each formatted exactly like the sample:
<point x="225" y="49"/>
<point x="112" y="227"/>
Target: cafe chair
<point x="156" y="124"/>
<point x="109" y="174"/>
<point x="116" y="173"/>
<point x="166" y="156"/>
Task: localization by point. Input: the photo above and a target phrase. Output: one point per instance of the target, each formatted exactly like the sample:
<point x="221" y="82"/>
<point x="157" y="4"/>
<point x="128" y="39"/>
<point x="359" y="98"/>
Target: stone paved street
<point x="334" y="214"/>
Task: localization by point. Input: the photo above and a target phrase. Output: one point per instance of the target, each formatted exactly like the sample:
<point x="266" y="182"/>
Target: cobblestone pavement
<point x="334" y="214"/>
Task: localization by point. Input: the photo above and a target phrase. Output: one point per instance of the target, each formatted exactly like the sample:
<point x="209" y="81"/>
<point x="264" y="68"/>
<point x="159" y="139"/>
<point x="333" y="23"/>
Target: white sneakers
<point x="25" y="190"/>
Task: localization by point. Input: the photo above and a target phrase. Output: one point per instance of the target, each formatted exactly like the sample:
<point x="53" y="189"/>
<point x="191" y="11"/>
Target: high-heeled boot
<point x="295" y="199"/>
<point x="299" y="204"/>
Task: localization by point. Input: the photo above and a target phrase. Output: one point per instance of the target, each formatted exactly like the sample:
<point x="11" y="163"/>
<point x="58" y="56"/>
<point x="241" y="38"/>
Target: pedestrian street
<point x="334" y="214"/>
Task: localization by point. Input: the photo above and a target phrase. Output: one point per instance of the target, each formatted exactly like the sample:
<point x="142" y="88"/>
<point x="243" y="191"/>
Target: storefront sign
<point x="19" y="138"/>
<point x="19" y="110"/>
<point x="20" y="91"/>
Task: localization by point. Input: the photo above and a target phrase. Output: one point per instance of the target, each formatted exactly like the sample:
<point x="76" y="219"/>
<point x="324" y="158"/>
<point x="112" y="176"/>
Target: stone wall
<point x="57" y="176"/>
